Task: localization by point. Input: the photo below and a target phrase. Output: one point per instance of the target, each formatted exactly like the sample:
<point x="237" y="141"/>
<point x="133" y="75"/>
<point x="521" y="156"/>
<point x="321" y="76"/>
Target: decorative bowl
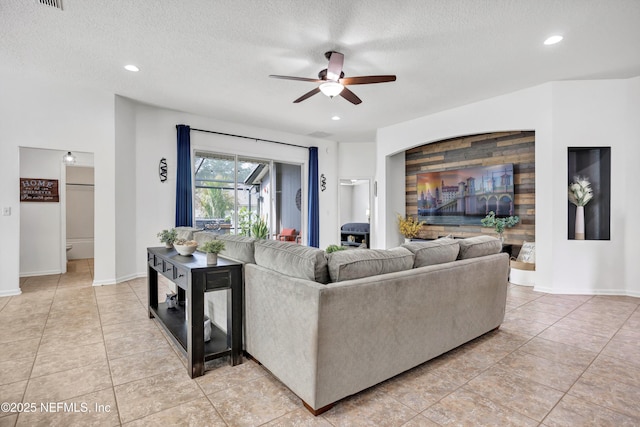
<point x="185" y="250"/>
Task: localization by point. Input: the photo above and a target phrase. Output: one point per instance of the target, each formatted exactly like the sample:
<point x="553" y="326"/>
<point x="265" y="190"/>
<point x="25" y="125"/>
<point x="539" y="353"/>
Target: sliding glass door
<point x="243" y="195"/>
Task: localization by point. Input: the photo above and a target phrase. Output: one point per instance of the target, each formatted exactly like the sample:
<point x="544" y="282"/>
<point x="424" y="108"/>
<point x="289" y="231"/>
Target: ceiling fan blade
<point x="364" y="80"/>
<point x="302" y="79"/>
<point x="307" y="95"/>
<point x="336" y="60"/>
<point x="350" y="96"/>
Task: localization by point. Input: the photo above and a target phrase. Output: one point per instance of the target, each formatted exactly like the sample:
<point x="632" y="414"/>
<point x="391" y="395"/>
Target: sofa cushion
<point x="358" y="263"/>
<point x="186" y="232"/>
<point x="478" y="246"/>
<point x="433" y="252"/>
<point x="294" y="260"/>
<point x="240" y="248"/>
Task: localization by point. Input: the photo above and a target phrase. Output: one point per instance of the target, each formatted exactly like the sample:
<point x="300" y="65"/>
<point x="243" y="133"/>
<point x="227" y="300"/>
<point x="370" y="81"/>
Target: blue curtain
<point x="184" y="208"/>
<point x="313" y="222"/>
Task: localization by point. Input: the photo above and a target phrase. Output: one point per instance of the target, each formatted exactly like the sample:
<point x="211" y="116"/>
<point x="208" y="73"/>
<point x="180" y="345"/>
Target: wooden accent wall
<point x="488" y="149"/>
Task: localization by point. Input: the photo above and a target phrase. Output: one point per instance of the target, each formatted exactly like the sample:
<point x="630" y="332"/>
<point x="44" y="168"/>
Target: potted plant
<point x="334" y="248"/>
<point x="259" y="229"/>
<point x="212" y="248"/>
<point x="168" y="237"/>
<point x="499" y="224"/>
<point x="409" y="227"/>
<point x="580" y="193"/>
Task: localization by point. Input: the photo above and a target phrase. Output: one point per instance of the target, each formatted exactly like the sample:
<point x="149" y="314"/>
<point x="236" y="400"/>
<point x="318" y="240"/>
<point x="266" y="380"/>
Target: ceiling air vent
<point x="53" y="3"/>
<point x="319" y="134"/>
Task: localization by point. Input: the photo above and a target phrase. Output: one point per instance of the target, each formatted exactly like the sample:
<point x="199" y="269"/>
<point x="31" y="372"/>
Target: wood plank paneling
<point x="517" y="147"/>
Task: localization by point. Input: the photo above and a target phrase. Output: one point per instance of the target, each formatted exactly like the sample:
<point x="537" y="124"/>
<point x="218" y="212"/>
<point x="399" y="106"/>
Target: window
<point x="233" y="194"/>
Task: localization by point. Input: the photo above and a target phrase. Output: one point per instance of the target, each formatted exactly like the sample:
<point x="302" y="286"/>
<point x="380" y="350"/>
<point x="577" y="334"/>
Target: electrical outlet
<point x="6" y="211"/>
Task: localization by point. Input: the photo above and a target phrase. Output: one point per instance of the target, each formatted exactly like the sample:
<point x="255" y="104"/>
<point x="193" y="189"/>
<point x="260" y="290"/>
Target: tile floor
<point x="92" y="356"/>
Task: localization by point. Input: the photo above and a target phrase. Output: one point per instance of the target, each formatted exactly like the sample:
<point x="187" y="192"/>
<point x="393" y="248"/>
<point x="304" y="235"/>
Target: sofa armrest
<point x="281" y="326"/>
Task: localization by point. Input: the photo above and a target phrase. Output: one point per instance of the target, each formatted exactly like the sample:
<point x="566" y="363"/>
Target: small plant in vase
<point x="334" y="248"/>
<point x="260" y="230"/>
<point x="499" y="224"/>
<point x="212" y="248"/>
<point x="409" y="227"/>
<point x="168" y="237"/>
<point x="580" y="193"/>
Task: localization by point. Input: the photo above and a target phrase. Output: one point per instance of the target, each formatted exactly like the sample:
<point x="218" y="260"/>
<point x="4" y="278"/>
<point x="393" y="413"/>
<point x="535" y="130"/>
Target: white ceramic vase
<point x="579" y="223"/>
<point x="212" y="259"/>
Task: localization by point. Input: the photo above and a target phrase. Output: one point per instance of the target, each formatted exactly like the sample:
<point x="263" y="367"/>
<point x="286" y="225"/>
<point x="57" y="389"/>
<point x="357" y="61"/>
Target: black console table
<point x="185" y="323"/>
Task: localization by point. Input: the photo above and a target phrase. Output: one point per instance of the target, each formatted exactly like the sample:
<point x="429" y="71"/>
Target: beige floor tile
<point x="370" y="408"/>
<point x="19" y="349"/>
<point x="624" y="348"/>
<point x="26" y="309"/>
<point x="453" y="368"/>
<point x="525" y="396"/>
<point x="420" y="421"/>
<point x="49" y="363"/>
<point x="136" y="313"/>
<point x="254" y="403"/>
<point x="524" y="327"/>
<point x="588" y="327"/>
<point x="417" y="390"/>
<point x="142" y="365"/>
<point x="572" y="412"/>
<point x="3" y="302"/>
<point x="533" y="316"/>
<point x="117" y="330"/>
<point x="135" y="342"/>
<point x="555" y="375"/>
<point x="9" y="420"/>
<point x="612" y="319"/>
<point x="147" y="396"/>
<point x="11" y="331"/>
<point x="548" y="308"/>
<point x="198" y="412"/>
<point x="581" y="340"/>
<point x="559" y="352"/>
<point x="63" y="340"/>
<point x="466" y="408"/>
<point x="12" y="393"/>
<point x="616" y="369"/>
<point x="562" y="301"/>
<point x="619" y="397"/>
<point x="65" y="385"/>
<point x="93" y="409"/>
<point x="301" y="418"/>
<point x="15" y="370"/>
<point x="223" y="375"/>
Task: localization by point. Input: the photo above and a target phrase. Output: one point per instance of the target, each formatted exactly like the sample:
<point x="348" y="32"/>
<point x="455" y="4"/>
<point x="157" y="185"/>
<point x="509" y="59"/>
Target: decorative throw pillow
<point x="527" y="253"/>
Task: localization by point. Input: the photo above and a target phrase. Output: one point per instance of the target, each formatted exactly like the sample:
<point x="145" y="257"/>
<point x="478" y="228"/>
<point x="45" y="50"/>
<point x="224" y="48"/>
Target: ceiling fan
<point x="332" y="80"/>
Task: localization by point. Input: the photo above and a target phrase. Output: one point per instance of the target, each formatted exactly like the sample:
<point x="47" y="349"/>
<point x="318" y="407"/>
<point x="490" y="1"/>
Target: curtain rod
<point x="248" y="137"/>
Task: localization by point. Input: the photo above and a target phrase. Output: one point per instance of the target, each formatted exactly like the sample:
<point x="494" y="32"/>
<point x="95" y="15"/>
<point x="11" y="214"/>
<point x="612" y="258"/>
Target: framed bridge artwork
<point x="465" y="196"/>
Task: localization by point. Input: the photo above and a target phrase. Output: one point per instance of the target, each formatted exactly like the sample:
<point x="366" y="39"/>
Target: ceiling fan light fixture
<point x="331" y="88"/>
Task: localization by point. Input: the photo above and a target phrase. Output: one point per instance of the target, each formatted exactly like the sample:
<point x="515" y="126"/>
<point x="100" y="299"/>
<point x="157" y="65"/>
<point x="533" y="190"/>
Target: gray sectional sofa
<point x="329" y="326"/>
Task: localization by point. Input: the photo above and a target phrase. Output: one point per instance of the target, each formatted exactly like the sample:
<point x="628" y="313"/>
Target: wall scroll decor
<point x="323" y="181"/>
<point x="162" y="169"/>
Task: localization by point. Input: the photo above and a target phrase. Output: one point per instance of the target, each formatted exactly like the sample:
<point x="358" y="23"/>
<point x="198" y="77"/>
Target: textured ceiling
<point x="212" y="57"/>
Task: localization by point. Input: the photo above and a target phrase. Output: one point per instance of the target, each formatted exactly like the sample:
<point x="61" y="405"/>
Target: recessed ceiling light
<point x="335" y="118"/>
<point x="553" y="40"/>
<point x="131" y="67"/>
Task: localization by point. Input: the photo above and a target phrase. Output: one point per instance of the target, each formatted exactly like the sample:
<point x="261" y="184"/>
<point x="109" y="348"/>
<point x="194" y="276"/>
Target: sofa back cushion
<point x="478" y="246"/>
<point x="186" y="232"/>
<point x="358" y="263"/>
<point x="433" y="252"/>
<point x="239" y="248"/>
<point x="294" y="260"/>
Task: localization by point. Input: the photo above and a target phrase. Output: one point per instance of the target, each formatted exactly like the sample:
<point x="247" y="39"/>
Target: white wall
<point x="563" y="114"/>
<point x="156" y="138"/>
<point x="38" y="112"/>
<point x="40" y="222"/>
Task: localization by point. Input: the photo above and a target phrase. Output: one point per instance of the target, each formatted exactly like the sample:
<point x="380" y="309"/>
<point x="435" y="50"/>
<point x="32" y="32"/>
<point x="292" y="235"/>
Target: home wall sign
<point x="39" y="190"/>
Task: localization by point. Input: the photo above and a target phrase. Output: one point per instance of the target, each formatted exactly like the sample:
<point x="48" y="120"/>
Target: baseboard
<point x="39" y="273"/>
<point x="609" y="292"/>
<point x="117" y="280"/>
<point x="10" y="292"/>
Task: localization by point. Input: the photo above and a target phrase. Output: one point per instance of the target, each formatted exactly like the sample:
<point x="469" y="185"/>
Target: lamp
<point x="331" y="88"/>
<point x="69" y="159"/>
